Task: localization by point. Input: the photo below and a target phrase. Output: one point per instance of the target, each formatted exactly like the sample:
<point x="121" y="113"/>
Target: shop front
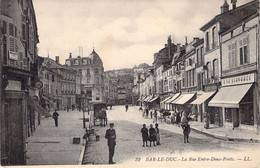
<point x="237" y="102"/>
<point x="182" y="102"/>
<point x="201" y="106"/>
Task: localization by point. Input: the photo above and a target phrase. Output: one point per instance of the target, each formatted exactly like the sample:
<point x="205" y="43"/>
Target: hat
<point x="112" y="124"/>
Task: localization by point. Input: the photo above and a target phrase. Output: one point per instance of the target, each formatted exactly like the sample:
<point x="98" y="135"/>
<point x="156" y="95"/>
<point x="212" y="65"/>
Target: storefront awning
<point x="230" y="96"/>
<point x="153" y="99"/>
<point x="173" y="98"/>
<point x="202" y="98"/>
<point x="184" y="98"/>
<point x="147" y="98"/>
<point x="166" y="99"/>
<point x="36" y="106"/>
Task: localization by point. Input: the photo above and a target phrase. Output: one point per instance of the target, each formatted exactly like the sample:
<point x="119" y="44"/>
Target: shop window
<point x="228" y="115"/>
<point x="247" y="114"/>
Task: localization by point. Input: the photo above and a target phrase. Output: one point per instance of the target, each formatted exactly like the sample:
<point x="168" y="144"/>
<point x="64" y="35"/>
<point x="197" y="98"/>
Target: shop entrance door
<point x="235" y="117"/>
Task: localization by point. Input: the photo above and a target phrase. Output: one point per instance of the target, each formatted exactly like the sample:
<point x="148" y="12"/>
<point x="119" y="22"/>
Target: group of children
<point x="152" y="135"/>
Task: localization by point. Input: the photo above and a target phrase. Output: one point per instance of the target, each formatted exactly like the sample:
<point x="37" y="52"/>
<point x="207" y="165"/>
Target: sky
<point x="124" y="33"/>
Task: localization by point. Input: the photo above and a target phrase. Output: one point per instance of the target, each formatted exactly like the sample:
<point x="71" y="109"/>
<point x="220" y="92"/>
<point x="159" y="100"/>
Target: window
<point x="97" y="80"/>
<point x="228" y="114"/>
<point x="11" y="29"/>
<point x="215" y="68"/>
<point x="88" y="80"/>
<point x="88" y="72"/>
<point x="53" y="78"/>
<point x="23" y="32"/>
<point x="214" y="37"/>
<point x="96" y="71"/>
<point x="232" y="48"/>
<point x="207" y="41"/>
<point x="4" y="27"/>
<point x="243" y="51"/>
<point x="208" y="72"/>
<point x="247" y="109"/>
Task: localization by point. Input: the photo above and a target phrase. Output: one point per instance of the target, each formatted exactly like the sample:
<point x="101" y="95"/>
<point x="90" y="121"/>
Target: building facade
<point x="92" y="75"/>
<point x="20" y="109"/>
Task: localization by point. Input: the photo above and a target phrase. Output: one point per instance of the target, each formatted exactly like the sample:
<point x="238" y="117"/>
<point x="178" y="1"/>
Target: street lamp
<point x="83" y="108"/>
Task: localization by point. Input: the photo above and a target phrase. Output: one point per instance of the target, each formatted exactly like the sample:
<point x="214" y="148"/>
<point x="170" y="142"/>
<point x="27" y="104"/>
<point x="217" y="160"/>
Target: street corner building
<point x="91" y="73"/>
<point x="20" y="100"/>
<point x="217" y="74"/>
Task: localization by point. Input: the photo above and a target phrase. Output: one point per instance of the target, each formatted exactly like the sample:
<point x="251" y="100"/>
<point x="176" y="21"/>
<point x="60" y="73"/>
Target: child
<point x="144" y="132"/>
<point x="186" y="132"/>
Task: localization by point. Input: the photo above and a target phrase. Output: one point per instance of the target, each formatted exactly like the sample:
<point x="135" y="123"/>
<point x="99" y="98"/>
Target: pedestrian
<point x="186" y="132"/>
<point x="144" y="132"/>
<point x="151" y="113"/>
<point x="206" y="120"/>
<point x="152" y="135"/>
<point x="68" y="109"/>
<point x="178" y="118"/>
<point x="173" y="118"/>
<point x="140" y="108"/>
<point x="73" y="107"/>
<point x="147" y="112"/>
<point x="184" y="118"/>
<point x="157" y="134"/>
<point x="126" y="107"/>
<point x="155" y="116"/>
<point x="55" y="116"/>
<point x="111" y="142"/>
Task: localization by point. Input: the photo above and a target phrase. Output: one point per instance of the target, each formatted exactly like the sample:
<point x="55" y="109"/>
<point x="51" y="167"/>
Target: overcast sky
<point x="124" y="32"/>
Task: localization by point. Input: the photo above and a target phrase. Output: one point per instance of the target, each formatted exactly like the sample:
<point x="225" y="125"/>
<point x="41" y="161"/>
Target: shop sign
<point x="242" y="79"/>
<point x="13" y="85"/>
<point x="13" y="56"/>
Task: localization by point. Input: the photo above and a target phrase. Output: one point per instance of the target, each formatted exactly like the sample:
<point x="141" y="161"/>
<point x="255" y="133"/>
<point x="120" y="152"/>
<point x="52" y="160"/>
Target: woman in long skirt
<point x="152" y="135"/>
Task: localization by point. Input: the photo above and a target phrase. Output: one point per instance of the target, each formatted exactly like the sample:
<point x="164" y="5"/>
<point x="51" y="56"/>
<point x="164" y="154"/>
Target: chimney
<point x="224" y="7"/>
<point x="178" y="47"/>
<point x="186" y="40"/>
<point x="70" y="55"/>
<point x="234" y="4"/>
<point x="57" y="59"/>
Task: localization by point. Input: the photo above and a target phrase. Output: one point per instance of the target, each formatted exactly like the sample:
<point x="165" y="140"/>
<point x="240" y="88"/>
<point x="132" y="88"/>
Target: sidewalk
<point x="50" y="145"/>
<point x="223" y="133"/>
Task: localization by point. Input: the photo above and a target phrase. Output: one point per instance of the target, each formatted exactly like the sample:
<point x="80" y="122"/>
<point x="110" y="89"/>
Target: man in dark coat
<point x="144" y="132"/>
<point x="111" y="142"/>
<point x="55" y="117"/>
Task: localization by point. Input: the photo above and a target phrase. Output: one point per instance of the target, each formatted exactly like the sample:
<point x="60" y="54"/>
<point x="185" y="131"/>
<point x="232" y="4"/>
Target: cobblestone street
<point x="129" y="142"/>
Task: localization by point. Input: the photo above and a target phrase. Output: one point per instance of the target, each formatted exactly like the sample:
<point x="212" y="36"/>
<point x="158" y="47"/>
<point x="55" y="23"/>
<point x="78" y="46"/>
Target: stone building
<point x="238" y="99"/>
<point x="92" y="74"/>
<point x="20" y="109"/>
<point x="51" y="98"/>
<point x="212" y="56"/>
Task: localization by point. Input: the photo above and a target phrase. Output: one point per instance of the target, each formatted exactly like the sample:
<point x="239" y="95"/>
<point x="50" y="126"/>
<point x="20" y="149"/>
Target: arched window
<point x="214" y="37"/>
<point x="215" y="68"/>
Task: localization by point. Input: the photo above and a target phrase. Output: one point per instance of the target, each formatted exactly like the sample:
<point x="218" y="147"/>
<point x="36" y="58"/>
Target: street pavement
<point x="50" y="145"/>
<point x="129" y="148"/>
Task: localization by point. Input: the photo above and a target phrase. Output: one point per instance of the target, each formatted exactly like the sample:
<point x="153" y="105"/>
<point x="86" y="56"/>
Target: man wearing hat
<point x="111" y="142"/>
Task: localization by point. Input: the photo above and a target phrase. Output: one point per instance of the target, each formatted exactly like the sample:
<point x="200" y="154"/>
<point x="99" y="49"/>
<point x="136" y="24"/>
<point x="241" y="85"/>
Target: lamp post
<point x="83" y="108"/>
